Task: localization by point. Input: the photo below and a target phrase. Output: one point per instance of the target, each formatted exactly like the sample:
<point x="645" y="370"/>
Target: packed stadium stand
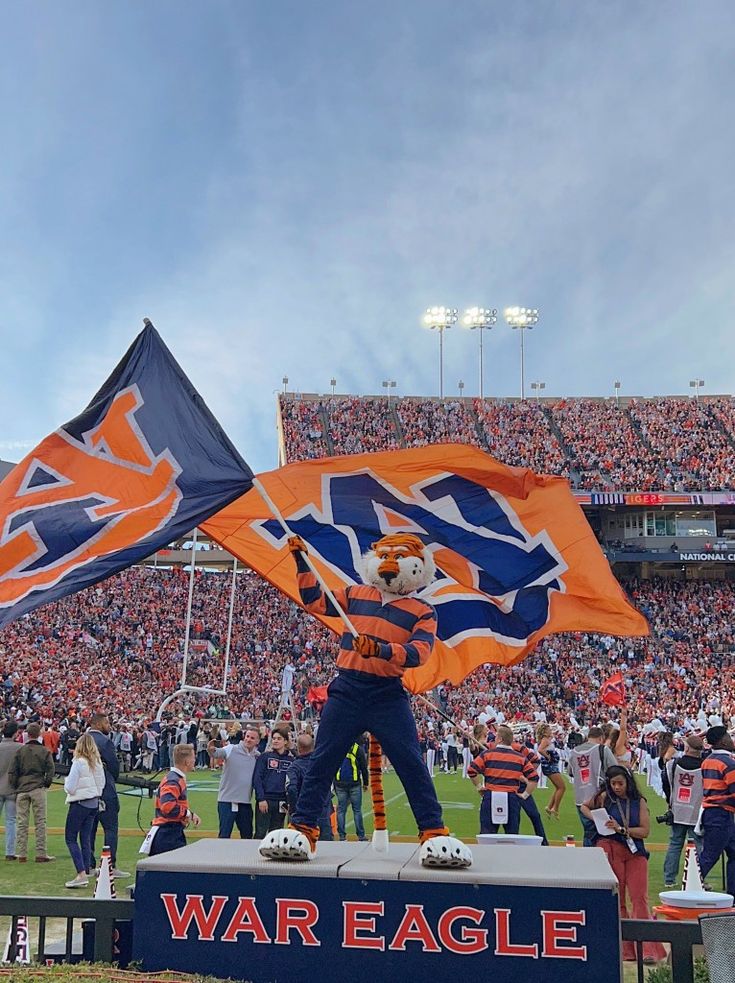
<point x="669" y="443"/>
<point x="119" y="645"/>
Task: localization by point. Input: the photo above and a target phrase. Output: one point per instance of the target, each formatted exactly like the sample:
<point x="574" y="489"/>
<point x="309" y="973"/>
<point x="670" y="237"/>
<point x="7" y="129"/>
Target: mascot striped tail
<point x="380" y="820"/>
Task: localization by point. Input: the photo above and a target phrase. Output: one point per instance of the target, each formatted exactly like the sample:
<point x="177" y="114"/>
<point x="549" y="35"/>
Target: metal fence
<point x="681" y="936"/>
<point x="104" y="914"/>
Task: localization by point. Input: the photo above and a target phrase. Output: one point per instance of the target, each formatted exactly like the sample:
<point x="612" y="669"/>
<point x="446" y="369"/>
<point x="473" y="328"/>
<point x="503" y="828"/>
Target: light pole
<point x="439" y="319"/>
<point x="537" y="387"/>
<point x="521" y="319"/>
<point x="389" y="384"/>
<point x="284" y="380"/>
<point x="481" y="318"/>
<point x="333" y="384"/>
<point x="616" y="387"/>
<point x="460" y="386"/>
<point x="696" y="384"/>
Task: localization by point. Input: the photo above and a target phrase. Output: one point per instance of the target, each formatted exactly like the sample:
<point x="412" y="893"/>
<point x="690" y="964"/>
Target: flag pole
<point x="433" y="706"/>
<point x="284" y="525"/>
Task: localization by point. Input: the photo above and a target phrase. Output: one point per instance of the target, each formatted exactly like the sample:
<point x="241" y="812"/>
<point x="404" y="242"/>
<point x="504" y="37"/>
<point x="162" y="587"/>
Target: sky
<point x="283" y="187"/>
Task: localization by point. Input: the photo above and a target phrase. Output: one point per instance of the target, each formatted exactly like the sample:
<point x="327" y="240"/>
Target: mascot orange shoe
<point x="396" y="632"/>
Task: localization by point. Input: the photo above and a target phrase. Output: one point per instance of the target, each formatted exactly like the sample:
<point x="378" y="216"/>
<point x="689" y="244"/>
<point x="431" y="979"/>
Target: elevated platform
<point x="521" y="913"/>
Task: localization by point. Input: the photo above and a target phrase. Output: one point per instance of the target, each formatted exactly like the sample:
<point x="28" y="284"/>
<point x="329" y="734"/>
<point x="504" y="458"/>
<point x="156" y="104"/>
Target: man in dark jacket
<point x="31" y="773"/>
<point x="294" y="780"/>
<point x="269" y="784"/>
<point x="108" y="816"/>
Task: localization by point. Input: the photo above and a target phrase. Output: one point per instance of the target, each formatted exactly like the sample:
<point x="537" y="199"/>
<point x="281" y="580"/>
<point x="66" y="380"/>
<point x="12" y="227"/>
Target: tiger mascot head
<point x="398" y="564"/>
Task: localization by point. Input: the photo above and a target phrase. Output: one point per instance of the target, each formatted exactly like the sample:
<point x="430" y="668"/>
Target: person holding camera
<point x="682" y="782"/>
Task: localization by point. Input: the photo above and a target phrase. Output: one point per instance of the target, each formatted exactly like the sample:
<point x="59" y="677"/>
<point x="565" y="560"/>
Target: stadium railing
<point x="104" y="914"/>
<point x="681" y="936"/>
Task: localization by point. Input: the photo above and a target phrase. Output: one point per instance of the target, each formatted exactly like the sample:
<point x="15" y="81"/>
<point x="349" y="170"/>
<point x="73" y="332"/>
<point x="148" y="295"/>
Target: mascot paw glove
<point x="366" y="647"/>
<point x="297" y="545"/>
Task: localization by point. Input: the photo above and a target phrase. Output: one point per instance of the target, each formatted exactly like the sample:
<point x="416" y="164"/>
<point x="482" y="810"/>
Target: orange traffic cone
<point x="105" y="887"/>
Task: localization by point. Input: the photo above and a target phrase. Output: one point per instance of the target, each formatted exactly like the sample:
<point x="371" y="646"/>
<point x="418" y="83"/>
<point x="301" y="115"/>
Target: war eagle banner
<point x="516" y="559"/>
<point x="144" y="463"/>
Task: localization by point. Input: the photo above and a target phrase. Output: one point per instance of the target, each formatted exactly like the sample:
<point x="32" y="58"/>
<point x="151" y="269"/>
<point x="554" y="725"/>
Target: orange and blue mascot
<point x="396" y="632"/>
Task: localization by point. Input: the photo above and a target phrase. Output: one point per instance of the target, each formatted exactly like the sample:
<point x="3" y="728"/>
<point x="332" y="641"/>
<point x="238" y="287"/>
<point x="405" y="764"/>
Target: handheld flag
<point x="612" y="691"/>
<point x="516" y="559"/>
<point x="144" y="463"/>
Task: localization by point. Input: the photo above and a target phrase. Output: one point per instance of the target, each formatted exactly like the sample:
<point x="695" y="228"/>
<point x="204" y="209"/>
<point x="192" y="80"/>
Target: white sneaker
<point x="116" y="872"/>
<point x="77" y="883"/>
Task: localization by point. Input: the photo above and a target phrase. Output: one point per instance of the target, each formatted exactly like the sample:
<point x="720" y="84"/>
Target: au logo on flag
<point x="493" y="576"/>
<point x="76" y="500"/>
<point x="144" y="463"/>
<point x="517" y="559"/>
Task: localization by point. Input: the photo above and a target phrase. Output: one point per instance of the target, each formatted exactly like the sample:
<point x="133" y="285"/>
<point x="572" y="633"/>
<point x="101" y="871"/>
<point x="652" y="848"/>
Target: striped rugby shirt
<point x="504" y="769"/>
<point x="404" y="627"/>
<point x="171" y="804"/>
<point x="718" y="780"/>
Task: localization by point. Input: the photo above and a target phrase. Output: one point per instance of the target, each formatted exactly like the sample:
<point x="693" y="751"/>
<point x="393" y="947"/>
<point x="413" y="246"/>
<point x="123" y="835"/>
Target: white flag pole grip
<point x="284" y="525"/>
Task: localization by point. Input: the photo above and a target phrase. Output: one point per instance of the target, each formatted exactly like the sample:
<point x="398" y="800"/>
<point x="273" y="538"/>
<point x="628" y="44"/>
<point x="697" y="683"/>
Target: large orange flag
<point x="516" y="559"/>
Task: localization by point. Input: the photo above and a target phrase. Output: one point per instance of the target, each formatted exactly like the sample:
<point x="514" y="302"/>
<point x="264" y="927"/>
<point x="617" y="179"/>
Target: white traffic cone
<point x="22" y="951"/>
<point x="105" y="886"/>
<point x="692" y="880"/>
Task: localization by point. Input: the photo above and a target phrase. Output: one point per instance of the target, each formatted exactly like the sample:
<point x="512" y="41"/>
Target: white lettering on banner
<point x="458" y="929"/>
<point x="709" y="557"/>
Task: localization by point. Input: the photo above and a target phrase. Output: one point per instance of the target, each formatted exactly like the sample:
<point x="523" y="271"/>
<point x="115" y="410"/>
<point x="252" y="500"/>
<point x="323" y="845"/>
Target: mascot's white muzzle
<point x="388" y="569"/>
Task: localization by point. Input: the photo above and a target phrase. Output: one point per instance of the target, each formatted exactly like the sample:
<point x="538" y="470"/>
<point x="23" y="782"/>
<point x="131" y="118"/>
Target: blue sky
<point x="283" y="187"/>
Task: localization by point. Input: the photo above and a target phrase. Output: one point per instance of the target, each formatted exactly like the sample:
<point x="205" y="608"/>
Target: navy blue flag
<point x="145" y="463"/>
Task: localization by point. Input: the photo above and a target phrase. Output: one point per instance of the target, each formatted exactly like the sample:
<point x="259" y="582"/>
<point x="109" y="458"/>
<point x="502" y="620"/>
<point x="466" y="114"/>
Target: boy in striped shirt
<point x="172" y="812"/>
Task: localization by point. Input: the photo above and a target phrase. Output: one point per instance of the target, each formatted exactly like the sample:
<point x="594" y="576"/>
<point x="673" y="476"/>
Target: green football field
<point x="458" y="796"/>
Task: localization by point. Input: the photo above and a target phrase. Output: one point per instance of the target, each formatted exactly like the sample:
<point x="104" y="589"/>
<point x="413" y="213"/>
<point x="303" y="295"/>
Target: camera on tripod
<point x="667" y="818"/>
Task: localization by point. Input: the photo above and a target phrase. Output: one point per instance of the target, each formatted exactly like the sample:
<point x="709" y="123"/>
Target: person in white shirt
<point x="83" y="786"/>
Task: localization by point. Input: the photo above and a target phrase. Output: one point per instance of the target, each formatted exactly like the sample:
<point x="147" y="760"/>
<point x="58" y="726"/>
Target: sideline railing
<point x="104" y="913"/>
<point x="681" y="936"/>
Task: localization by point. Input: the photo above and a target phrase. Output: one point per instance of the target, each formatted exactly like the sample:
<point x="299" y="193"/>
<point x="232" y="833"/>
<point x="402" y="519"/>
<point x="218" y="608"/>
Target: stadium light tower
<point x="616" y="387"/>
<point x="480" y="318"/>
<point x="521" y="319"/>
<point x="537" y="387"/>
<point x="439" y="319"/>
<point x="333" y="384"/>
<point x="389" y="384"/>
<point x="696" y="385"/>
<point x="284" y="380"/>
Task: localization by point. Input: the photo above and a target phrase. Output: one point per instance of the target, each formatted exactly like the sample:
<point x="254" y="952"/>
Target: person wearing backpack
<point x="588" y="764"/>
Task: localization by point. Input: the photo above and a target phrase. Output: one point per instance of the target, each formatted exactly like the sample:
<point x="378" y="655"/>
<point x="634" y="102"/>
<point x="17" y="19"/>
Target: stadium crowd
<point x="358" y="426"/>
<point x="118" y="646"/>
<point x="669" y="443"/>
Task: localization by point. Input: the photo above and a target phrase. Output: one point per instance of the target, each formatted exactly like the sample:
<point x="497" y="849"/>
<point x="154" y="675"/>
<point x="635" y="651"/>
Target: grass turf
<point x="458" y="796"/>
